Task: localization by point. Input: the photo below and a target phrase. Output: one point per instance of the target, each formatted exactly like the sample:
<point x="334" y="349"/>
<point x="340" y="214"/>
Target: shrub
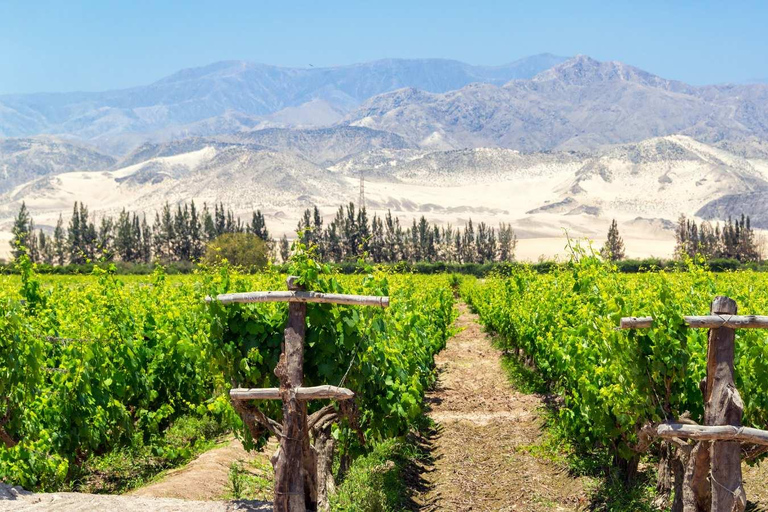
<point x="240" y="249"/>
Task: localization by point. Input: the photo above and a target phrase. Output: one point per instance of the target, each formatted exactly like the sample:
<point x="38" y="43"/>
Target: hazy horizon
<point x="91" y="46"/>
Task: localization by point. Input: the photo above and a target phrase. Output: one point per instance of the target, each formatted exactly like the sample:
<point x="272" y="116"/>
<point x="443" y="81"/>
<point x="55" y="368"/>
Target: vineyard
<point x="104" y="366"/>
<point x="97" y="365"/>
<point x="614" y="382"/>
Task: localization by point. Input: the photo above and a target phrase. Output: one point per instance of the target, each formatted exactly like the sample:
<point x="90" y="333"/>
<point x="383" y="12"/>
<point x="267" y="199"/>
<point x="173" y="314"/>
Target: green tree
<point x="182" y="240"/>
<point x="145" y="234"/>
<point x="46" y="248"/>
<point x="196" y="245"/>
<point x="507" y="242"/>
<point x="220" y="219"/>
<point x="163" y="234"/>
<point x="614" y="245"/>
<point x="75" y="237"/>
<point x="468" y="246"/>
<point x="376" y="242"/>
<point x="285" y="249"/>
<point x="59" y="243"/>
<point x="258" y="226"/>
<point x="124" y="238"/>
<point x="22" y="227"/>
<point x="105" y="242"/>
<point x="209" y="226"/>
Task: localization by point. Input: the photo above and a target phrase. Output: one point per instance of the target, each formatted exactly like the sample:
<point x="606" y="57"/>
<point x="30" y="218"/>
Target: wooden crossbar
<point x="712" y="433"/>
<point x="703" y="322"/>
<point x="636" y="322"/>
<point x="302" y="393"/>
<point x="302" y="297"/>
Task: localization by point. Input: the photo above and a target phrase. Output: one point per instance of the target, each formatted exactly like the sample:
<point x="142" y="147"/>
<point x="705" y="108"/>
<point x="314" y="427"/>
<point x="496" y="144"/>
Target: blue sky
<point x="98" y="45"/>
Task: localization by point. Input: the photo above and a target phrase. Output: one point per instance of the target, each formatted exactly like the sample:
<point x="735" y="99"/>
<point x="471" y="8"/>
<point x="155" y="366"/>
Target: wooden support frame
<point x="302" y="471"/>
<point x="712" y="477"/>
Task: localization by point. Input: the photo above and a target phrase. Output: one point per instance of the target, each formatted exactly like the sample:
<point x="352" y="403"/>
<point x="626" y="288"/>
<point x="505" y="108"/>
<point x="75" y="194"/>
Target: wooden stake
<point x="289" y="479"/>
<point x="702" y="322"/>
<point x="723" y="406"/>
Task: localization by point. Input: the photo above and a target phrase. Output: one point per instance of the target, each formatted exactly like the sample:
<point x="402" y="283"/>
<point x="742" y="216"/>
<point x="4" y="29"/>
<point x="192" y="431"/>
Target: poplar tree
<point x="22" y="227"/>
<point x="285" y="249"/>
<point x="124" y="238"/>
<point x="46" y="248"/>
<point x="195" y="230"/>
<point x="59" y="243"/>
<point x="209" y="226"/>
<point x="614" y="245"/>
<point x="258" y="226"/>
<point x="75" y="237"/>
<point x="507" y="242"/>
<point x="104" y="240"/>
<point x="146" y="241"/>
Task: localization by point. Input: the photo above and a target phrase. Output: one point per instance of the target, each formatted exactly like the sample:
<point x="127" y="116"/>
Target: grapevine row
<point x="93" y="365"/>
<point x="613" y="382"/>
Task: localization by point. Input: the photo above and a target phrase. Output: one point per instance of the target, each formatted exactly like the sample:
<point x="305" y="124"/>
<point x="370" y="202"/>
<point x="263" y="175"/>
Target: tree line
<point x="177" y="235"/>
<point x="184" y="232"/>
<point x="350" y="234"/>
<point x="735" y="240"/>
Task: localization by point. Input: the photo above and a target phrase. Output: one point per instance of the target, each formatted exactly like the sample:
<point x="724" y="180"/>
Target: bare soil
<point x="205" y="478"/>
<point x="484" y="425"/>
<point x="200" y="486"/>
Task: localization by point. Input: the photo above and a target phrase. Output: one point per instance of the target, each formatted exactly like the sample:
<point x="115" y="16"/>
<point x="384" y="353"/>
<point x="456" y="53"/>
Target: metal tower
<point x="362" y="190"/>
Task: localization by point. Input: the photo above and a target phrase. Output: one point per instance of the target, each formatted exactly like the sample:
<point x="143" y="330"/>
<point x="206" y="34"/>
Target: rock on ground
<point x="17" y="499"/>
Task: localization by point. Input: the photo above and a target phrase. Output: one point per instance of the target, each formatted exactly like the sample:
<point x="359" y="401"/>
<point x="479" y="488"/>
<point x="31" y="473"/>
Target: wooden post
<point x="289" y="479"/>
<point x="723" y="406"/>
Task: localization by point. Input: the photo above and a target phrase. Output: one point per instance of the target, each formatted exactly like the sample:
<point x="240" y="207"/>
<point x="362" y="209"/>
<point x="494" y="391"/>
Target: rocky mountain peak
<point x="583" y="70"/>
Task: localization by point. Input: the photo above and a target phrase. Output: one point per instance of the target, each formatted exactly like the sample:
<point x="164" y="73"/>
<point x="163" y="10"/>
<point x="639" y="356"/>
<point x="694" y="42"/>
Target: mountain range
<point x="538" y="103"/>
<point x="228" y="93"/>
<point x="545" y="142"/>
<point x="580" y="103"/>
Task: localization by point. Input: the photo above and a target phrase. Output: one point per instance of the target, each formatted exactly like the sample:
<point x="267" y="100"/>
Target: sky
<point x="54" y="46"/>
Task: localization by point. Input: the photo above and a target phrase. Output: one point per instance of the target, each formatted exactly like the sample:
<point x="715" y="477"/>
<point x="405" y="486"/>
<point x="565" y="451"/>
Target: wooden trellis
<point x="300" y="483"/>
<point x="711" y="476"/>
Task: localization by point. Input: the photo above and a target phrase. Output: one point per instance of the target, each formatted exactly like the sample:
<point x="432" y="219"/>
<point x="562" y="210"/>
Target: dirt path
<point x="200" y="486"/>
<point x="205" y="478"/>
<point x="483" y="423"/>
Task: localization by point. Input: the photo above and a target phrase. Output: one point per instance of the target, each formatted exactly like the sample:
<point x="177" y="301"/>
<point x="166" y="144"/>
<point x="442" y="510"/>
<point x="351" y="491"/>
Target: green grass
<point x="375" y="482"/>
<point x="131" y="467"/>
<point x="250" y="481"/>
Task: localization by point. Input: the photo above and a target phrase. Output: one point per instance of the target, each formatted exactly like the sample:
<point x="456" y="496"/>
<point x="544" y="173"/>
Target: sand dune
<point x="645" y="186"/>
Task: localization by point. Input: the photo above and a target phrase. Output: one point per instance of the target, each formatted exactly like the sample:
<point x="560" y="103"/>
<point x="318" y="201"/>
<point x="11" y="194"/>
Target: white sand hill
<point x="645" y="186"/>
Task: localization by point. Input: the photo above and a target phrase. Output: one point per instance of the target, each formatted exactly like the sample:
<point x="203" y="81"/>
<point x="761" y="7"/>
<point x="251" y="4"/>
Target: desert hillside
<point x="645" y="186"/>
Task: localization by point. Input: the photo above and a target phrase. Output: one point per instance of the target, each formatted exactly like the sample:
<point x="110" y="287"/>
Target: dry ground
<point x="483" y="423"/>
<point x="205" y="478"/>
<point x="200" y="486"/>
